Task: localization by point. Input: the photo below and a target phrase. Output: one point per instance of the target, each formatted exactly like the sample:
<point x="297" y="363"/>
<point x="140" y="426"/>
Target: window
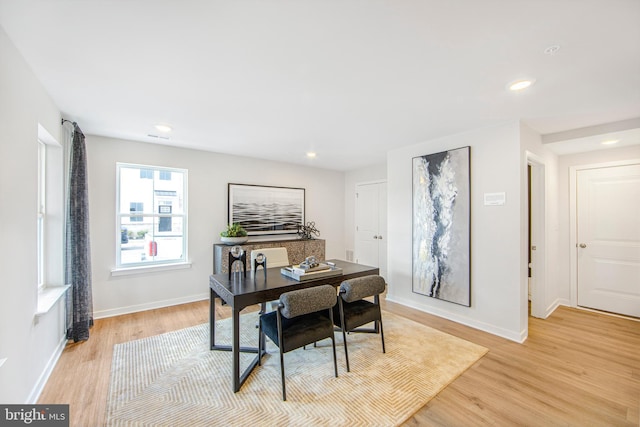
<point x="136" y="207"/>
<point x="165" y="220"/>
<point x="42" y="205"/>
<point x="146" y="174"/>
<point x="49" y="164"/>
<point x="151" y="216"/>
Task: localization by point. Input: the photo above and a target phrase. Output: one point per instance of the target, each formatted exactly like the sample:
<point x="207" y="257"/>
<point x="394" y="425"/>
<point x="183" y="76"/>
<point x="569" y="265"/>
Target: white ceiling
<point x="349" y="79"/>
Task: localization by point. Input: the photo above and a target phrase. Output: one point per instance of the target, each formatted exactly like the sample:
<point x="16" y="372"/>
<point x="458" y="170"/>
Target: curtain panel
<point x="78" y="250"/>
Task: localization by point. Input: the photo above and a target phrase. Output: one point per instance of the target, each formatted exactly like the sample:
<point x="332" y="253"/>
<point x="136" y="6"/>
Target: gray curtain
<point x="78" y="253"/>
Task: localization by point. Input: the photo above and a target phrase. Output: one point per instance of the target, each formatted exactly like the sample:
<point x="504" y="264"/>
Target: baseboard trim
<point x="149" y="306"/>
<point x="557" y="303"/>
<point x="46" y="373"/>
<point x="518" y="337"/>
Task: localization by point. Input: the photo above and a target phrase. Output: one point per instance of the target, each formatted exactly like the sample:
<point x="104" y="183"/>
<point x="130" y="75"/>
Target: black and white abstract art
<point x="264" y="210"/>
<point x="441" y="226"/>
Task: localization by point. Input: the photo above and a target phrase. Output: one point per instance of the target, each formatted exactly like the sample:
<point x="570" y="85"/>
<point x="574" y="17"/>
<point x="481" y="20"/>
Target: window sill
<point x="48" y="296"/>
<point x="149" y="269"/>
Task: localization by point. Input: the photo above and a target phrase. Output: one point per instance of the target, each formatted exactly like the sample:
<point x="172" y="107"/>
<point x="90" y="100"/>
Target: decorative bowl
<point x="234" y="240"/>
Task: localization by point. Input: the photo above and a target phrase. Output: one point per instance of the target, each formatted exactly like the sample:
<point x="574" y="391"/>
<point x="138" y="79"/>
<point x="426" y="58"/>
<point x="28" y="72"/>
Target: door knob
<point x="375" y="237"/>
<point x="380" y="237"/>
<point x="583" y="245"/>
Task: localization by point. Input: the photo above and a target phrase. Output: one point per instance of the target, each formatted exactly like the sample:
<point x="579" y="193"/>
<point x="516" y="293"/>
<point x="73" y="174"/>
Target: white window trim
<point x="48" y="296"/>
<point x="127" y="271"/>
<point x="50" y="261"/>
<point x="120" y="270"/>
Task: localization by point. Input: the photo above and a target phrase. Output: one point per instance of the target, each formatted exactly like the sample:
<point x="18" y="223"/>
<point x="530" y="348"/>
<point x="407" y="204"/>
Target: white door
<point x="608" y="236"/>
<point x="371" y="226"/>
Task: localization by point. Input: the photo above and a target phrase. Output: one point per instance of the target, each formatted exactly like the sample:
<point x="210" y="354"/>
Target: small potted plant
<point x="234" y="234"/>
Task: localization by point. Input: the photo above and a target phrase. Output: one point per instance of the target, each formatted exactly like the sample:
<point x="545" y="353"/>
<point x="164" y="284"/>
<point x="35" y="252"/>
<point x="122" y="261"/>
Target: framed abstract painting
<point x="441" y="226"/>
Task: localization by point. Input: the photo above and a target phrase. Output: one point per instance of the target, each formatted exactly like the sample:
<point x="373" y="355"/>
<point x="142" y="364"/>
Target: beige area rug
<point x="174" y="380"/>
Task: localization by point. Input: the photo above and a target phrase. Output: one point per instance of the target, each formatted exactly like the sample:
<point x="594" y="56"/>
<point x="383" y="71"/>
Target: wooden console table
<point x="297" y="250"/>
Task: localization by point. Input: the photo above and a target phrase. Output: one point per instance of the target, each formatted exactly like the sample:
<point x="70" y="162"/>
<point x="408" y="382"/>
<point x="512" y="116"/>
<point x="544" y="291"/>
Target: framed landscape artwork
<point x="441" y="226"/>
<point x="263" y="210"/>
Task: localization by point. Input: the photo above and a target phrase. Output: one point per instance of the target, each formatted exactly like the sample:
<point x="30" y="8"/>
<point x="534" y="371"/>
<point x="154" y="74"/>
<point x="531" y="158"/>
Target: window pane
<point x="134" y="247"/>
<point x="135" y="189"/>
<point x="169" y="191"/>
<point x="151" y="241"/>
<point x="135" y="207"/>
<point x="41" y="210"/>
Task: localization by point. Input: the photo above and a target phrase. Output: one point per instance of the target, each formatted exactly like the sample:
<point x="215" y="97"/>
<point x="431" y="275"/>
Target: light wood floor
<point x="577" y="368"/>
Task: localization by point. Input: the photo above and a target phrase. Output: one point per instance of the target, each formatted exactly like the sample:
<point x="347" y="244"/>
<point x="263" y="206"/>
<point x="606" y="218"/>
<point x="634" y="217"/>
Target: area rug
<point x="173" y="379"/>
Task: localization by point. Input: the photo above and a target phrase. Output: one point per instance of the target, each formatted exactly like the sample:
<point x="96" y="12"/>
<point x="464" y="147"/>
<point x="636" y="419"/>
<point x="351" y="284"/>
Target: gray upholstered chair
<point x="303" y="317"/>
<point x="354" y="311"/>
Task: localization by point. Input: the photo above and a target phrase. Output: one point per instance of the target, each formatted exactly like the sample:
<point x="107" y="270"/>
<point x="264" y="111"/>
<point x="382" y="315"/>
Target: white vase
<point x="234" y="240"/>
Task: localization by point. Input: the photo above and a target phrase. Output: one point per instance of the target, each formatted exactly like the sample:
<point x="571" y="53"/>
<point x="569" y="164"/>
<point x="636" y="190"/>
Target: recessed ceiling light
<point x="311" y="155"/>
<point x="610" y="142"/>
<point x="520" y="85"/>
<point x="163" y="128"/>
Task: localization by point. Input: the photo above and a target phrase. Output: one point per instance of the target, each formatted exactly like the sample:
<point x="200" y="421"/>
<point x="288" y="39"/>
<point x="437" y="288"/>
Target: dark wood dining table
<point x="240" y="291"/>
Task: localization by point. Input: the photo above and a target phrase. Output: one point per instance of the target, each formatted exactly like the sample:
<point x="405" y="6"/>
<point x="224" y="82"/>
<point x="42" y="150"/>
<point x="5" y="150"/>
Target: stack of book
<point x="304" y="272"/>
<point x="305" y="268"/>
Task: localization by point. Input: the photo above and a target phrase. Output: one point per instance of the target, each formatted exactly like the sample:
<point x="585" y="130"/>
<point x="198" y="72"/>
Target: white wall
<point x="352" y="178"/>
<point x="564" y="164"/>
<point x="209" y="174"/>
<point x="30" y="344"/>
<point x="496" y="265"/>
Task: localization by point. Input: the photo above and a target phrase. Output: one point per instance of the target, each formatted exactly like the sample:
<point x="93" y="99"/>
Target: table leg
<point x="212" y="319"/>
<point x="236" y="350"/>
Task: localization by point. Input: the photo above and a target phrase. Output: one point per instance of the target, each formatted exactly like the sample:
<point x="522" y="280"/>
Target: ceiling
<point x="347" y="79"/>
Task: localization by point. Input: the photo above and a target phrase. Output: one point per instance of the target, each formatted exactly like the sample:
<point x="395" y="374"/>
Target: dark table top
<point x="240" y="292"/>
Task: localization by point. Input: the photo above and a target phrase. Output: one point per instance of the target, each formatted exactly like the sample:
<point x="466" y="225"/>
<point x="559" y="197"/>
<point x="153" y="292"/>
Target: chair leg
<point x="346" y="352"/>
<point x="260" y="343"/>
<point x="344" y="334"/>
<point x="335" y="360"/>
<point x="381" y="334"/>
<point x="284" y="390"/>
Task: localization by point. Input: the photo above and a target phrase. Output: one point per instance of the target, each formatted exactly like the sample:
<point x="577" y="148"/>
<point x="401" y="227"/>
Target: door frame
<point x="573" y="218"/>
<point x="355" y="208"/>
<point x="538" y="235"/>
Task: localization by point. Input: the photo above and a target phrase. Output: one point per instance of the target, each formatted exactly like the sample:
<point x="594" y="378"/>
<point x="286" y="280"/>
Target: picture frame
<point x="265" y="210"/>
<point x="441" y="253"/>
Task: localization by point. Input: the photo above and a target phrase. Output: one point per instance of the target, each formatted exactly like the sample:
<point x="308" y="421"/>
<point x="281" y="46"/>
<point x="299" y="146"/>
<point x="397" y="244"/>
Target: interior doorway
<point x="371" y="225"/>
<point x="534" y="295"/>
